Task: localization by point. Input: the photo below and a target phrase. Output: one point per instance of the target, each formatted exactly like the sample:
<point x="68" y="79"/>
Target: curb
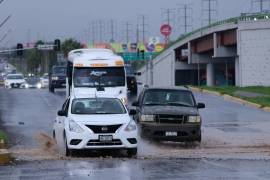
<point x="231" y="98"/>
<point x="5" y="156"/>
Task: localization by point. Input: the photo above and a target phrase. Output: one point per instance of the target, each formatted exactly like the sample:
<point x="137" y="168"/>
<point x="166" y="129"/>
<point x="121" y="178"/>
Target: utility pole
<point x="209" y="10"/>
<point x="128" y="29"/>
<point x="93" y="31"/>
<point x="100" y="24"/>
<point x="137" y="34"/>
<point x="168" y="18"/>
<point x="112" y="30"/>
<point x="143" y="26"/>
<point x="185" y="19"/>
<point x="261" y="5"/>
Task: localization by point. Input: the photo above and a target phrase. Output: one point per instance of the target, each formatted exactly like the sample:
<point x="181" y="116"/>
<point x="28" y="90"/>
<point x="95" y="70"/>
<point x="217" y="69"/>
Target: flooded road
<point x="235" y="139"/>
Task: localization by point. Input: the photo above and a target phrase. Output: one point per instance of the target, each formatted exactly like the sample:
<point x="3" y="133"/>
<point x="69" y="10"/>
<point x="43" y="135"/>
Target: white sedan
<point x="95" y="123"/>
<point x="14" y="81"/>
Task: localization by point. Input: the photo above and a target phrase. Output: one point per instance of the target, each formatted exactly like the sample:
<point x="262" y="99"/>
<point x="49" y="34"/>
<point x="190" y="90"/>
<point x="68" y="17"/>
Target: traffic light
<point x="19" y="49"/>
<point x="57" y="45"/>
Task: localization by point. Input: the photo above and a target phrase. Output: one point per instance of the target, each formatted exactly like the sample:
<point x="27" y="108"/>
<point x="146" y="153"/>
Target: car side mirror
<point x="200" y="105"/>
<point x="132" y="112"/>
<point x="61" y="113"/>
<point x="136" y="104"/>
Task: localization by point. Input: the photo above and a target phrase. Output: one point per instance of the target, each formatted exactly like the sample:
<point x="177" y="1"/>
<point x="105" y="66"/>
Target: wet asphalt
<point x="235" y="144"/>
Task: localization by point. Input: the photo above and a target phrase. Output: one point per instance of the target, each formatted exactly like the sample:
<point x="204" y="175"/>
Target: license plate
<point x="171" y="133"/>
<point x="105" y="138"/>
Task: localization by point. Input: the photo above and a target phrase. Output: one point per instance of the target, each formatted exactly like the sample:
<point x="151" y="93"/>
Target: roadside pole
<point x="151" y="71"/>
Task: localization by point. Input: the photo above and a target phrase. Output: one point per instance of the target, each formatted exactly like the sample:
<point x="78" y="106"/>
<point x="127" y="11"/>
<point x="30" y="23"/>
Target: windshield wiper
<point x="178" y="104"/>
<point x="153" y="104"/>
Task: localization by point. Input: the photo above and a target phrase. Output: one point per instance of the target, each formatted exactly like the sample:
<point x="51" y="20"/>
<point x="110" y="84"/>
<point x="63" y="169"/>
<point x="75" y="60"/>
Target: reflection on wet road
<point x="230" y="131"/>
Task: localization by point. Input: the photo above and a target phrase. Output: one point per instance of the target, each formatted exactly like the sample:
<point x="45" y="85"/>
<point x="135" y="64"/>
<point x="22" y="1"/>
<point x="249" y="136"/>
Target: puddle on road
<point x="47" y="149"/>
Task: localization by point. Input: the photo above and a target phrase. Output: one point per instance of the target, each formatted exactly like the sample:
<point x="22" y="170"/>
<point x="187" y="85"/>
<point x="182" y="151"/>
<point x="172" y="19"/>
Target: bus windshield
<point x="91" y="77"/>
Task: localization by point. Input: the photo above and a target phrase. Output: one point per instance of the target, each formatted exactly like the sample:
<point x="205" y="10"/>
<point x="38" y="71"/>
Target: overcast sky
<point x="50" y="19"/>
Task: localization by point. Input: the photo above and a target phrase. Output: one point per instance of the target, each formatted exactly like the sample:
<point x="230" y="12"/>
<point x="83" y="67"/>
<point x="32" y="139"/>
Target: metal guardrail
<point x="234" y="20"/>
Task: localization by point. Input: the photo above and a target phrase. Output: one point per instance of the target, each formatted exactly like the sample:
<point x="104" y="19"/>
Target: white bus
<point x="93" y="71"/>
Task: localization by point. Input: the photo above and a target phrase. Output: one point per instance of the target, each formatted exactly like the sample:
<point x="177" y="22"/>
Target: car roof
<point x="183" y="88"/>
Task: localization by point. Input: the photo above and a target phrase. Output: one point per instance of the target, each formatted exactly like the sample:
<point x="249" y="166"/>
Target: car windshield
<point x="59" y="70"/>
<point x="168" y="97"/>
<point x="32" y="80"/>
<point x="14" y="77"/>
<point x="107" y="77"/>
<point x="97" y="106"/>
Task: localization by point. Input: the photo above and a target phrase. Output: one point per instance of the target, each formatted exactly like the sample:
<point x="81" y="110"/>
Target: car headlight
<point x="194" y="119"/>
<point x="74" y="127"/>
<point x="131" y="126"/>
<point x="39" y="85"/>
<point x="55" y="78"/>
<point x="26" y="85"/>
<point x="147" y="118"/>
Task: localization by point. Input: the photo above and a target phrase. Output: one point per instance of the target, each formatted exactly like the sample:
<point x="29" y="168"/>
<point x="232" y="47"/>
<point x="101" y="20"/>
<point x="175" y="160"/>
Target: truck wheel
<point x="132" y="152"/>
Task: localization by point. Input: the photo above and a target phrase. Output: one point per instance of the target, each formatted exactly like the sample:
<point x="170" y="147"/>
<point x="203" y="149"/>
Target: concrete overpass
<point x="235" y="51"/>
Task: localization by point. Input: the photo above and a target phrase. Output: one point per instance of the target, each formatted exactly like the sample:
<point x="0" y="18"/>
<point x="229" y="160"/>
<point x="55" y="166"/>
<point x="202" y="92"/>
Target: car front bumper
<point x="90" y="140"/>
<point x="182" y="132"/>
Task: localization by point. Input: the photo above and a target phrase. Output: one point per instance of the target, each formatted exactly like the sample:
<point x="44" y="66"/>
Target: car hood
<point x="59" y="75"/>
<point x="101" y="119"/>
<point x="172" y="110"/>
<point x="15" y="80"/>
<point x="92" y="92"/>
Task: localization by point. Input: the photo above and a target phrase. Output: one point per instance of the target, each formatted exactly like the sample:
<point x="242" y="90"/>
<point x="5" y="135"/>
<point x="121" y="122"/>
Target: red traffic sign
<point x="166" y="29"/>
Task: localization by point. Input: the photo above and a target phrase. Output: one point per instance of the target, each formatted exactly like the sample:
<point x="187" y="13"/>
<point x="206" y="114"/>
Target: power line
<point x="4" y="22"/>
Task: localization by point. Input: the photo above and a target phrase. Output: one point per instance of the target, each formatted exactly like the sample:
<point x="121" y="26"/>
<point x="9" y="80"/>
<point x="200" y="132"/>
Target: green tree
<point x="69" y="45"/>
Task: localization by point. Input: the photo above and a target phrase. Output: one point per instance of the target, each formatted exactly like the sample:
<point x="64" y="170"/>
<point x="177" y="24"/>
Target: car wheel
<point x="51" y="89"/>
<point x="199" y="140"/>
<point x="68" y="152"/>
<point x="54" y="135"/>
<point x="132" y="152"/>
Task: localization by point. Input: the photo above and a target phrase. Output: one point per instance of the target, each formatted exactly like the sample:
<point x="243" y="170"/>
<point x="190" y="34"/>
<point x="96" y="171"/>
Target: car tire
<point x="199" y="140"/>
<point x="68" y="152"/>
<point x="132" y="152"/>
<point x="51" y="89"/>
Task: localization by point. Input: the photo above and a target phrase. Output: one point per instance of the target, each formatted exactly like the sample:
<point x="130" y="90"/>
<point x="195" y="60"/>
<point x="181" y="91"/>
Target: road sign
<point x="45" y="46"/>
<point x="165" y="29"/>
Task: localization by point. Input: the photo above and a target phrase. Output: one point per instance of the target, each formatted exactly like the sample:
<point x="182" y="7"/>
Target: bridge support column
<point x="210" y="74"/>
